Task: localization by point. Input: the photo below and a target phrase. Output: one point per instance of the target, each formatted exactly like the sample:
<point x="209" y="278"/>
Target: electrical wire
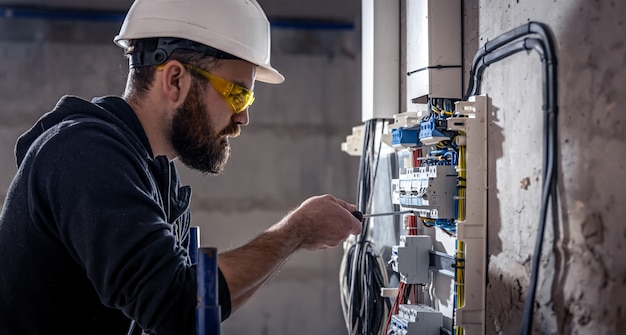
<point x="462" y="184"/>
<point x="459" y="282"/>
<point x="363" y="272"/>
<point x="459" y="273"/>
<point x="404" y="289"/>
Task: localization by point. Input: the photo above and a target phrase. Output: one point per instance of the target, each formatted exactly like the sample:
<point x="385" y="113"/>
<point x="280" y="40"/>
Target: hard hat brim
<point x="269" y="75"/>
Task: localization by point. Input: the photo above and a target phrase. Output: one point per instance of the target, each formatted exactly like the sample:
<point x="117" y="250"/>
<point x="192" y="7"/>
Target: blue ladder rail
<point x="208" y="312"/>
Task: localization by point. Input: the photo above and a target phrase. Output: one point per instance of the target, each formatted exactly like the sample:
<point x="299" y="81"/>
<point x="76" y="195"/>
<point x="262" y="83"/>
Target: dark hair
<point x="141" y="78"/>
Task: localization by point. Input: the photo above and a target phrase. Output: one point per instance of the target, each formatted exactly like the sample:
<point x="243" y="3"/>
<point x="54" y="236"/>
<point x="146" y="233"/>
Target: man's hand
<point x="322" y="222"/>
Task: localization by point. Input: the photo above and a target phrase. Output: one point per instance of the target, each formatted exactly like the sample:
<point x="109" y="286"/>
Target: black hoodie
<point x="94" y="230"/>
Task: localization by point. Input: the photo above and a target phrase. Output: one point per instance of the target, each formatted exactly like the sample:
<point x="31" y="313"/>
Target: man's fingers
<point x="356" y="228"/>
<point x="348" y="206"/>
<point x="358" y="215"/>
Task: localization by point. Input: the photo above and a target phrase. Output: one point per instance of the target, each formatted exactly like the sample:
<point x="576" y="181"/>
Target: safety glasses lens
<point x="240" y="98"/>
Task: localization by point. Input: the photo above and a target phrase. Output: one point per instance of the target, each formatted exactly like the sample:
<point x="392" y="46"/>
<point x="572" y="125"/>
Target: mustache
<point x="232" y="130"/>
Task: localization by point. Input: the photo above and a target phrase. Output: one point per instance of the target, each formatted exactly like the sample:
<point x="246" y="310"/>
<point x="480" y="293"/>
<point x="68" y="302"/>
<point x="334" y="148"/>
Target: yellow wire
<point x="428" y="222"/>
<point x="460" y="251"/>
<point x="460" y="281"/>
<point x="462" y="184"/>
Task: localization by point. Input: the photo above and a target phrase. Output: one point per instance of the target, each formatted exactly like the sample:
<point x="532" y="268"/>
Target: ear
<point x="175" y="83"/>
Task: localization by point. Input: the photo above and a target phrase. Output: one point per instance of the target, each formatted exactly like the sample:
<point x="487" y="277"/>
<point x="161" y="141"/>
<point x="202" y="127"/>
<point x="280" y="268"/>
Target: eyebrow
<point x="240" y="83"/>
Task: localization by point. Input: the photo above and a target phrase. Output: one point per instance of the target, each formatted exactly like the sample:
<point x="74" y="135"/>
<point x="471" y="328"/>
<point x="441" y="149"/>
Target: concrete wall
<point x="583" y="280"/>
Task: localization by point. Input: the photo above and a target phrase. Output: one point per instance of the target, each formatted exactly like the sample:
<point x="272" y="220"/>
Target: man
<point x="94" y="232"/>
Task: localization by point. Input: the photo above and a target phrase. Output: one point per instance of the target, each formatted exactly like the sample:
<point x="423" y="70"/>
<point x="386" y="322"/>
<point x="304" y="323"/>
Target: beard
<point x="198" y="145"/>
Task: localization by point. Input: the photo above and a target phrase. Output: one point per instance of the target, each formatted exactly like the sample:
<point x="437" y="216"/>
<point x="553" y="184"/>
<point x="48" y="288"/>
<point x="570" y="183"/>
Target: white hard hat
<point x="236" y="27"/>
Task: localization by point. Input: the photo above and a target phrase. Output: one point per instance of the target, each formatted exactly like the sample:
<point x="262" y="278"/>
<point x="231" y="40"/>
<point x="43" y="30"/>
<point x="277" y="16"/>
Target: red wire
<point x="412" y="225"/>
<point x="402" y="286"/>
<point x="396" y="303"/>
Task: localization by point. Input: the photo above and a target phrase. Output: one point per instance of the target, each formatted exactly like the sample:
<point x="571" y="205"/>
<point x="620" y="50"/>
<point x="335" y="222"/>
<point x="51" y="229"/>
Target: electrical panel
<point x="434" y="153"/>
<point x="440" y="190"/>
<point x="437" y="191"/>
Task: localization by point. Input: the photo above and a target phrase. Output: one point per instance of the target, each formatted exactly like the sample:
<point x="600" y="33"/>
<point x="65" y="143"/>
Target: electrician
<point x="94" y="231"/>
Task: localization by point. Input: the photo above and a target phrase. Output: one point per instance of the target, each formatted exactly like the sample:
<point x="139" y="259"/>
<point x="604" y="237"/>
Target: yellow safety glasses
<point x="239" y="97"/>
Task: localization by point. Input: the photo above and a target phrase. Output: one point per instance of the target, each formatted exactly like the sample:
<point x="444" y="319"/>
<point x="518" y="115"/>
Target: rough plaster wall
<point x="582" y="282"/>
<point x="290" y="150"/>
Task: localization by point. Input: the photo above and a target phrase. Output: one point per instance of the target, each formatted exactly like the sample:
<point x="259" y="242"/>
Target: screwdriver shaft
<point x="388" y="214"/>
<point x="360" y="216"/>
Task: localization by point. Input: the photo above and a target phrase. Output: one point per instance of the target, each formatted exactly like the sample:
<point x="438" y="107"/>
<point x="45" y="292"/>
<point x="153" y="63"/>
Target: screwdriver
<point x="360" y="216"/>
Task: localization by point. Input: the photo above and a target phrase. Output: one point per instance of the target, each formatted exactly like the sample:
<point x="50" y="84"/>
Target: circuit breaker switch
<point x="421" y="319"/>
<point x="411" y="258"/>
<point x="429" y="190"/>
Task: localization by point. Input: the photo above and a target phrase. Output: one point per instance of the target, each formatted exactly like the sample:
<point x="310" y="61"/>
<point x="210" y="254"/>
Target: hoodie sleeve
<point x="104" y="207"/>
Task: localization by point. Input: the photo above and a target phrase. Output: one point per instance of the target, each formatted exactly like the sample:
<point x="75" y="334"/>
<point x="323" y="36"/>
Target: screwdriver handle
<point x="358" y="215"/>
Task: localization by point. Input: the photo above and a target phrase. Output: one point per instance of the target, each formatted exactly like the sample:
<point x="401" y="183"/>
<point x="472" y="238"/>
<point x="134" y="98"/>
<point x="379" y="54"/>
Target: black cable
<point x="362" y="269"/>
<point x="438" y="67"/>
<point x="366" y="289"/>
<point x="368" y="174"/>
<point x="498" y="55"/>
<point x="492" y="45"/>
<point x="545" y="47"/>
<point x="550" y="156"/>
<point x="361" y="171"/>
<point x="462" y="20"/>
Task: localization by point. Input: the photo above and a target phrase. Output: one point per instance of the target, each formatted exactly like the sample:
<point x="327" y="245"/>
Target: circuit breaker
<point x="430" y="190"/>
<point x="411" y="258"/>
<point x="416" y="320"/>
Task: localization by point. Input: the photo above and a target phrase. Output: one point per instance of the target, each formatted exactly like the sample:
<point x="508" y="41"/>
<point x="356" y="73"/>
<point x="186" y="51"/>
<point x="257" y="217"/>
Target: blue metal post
<point x="208" y="312"/>
<point x="194" y="244"/>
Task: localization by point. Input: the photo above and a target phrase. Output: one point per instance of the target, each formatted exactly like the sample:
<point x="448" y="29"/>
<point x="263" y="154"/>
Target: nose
<point x="242" y="118"/>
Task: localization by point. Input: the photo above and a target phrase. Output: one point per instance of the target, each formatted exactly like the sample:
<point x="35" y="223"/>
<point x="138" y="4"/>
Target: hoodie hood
<point x="110" y="109"/>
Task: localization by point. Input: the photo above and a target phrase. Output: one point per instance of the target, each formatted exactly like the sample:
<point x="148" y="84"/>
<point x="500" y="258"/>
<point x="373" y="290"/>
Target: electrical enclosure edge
<point x="433" y="30"/>
<point x="473" y="231"/>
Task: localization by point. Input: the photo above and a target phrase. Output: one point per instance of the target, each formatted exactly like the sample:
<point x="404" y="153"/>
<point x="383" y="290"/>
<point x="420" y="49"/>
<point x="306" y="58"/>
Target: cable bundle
<point x="363" y="272"/>
<point x="362" y="278"/>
